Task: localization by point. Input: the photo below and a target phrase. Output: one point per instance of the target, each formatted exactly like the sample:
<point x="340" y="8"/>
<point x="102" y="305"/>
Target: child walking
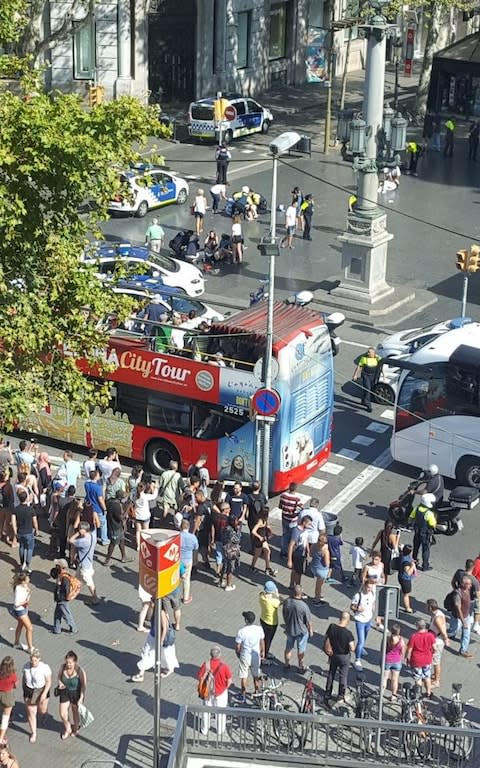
<point x="335" y="543"/>
<point x="358" y="557"/>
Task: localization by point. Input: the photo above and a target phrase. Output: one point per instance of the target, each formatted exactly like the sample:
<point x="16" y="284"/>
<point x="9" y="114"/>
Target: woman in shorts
<point x="72" y="684"/>
<point x="21" y="599"/>
<point x="406" y="572"/>
<point x="8" y="683"/>
<point x="36" y="683"/>
<point x="394" y="657"/>
<point x="261" y="533"/>
<point x="320" y="566"/>
<point x="199" y="209"/>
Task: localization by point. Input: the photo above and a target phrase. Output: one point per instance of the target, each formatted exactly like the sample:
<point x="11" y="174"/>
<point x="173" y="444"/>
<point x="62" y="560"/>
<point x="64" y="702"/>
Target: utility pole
<point x="328" y="113"/>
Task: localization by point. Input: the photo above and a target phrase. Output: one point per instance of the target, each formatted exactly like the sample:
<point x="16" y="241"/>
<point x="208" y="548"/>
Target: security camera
<point x="284" y="142"/>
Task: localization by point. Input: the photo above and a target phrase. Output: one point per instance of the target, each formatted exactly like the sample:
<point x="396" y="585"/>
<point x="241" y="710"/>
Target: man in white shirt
<point x="108" y="464"/>
<point x="218" y="192"/>
<point x="290" y="224"/>
<point x="90" y="464"/>
<point x="250" y="649"/>
<point x="318" y="523"/>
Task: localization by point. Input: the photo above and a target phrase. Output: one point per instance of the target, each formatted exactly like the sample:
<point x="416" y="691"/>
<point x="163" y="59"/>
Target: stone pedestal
<point x="364" y="260"/>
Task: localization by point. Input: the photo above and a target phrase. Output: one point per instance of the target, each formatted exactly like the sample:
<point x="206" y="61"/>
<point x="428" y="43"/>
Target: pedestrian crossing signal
<point x="462" y="260"/>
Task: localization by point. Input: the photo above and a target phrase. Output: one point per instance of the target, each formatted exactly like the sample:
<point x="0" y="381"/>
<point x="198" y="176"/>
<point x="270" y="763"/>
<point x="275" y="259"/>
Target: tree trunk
<point x="431" y="47"/>
<point x="345" y="70"/>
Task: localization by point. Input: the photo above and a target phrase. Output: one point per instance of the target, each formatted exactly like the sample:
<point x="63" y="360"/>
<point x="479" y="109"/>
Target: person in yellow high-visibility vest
<point x="449" y="137"/>
<point x="366" y="371"/>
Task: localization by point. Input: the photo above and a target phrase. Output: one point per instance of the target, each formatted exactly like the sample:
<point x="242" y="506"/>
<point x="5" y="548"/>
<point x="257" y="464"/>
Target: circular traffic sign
<point x="266" y="402"/>
<point x="230" y="112"/>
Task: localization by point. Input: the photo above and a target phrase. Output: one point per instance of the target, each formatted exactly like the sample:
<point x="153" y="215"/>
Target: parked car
<point x="406" y="342"/>
<point x="170" y="298"/>
<point x="142" y="265"/>
<point x="248" y="116"/>
<point x="148" y="187"/>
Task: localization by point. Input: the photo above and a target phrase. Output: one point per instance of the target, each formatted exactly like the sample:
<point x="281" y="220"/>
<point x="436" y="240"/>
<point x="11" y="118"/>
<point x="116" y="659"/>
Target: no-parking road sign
<point x="266" y="402"/>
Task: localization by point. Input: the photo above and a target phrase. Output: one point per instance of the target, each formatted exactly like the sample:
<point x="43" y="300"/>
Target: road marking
<point x="377" y="426"/>
<point x="247" y="168"/>
<point x="388" y="414"/>
<point x="359" y="483"/>
<point x="346" y="453"/>
<point x="332" y="469"/>
<point x="316" y="482"/>
<point x="353" y="343"/>
<point x="363" y="440"/>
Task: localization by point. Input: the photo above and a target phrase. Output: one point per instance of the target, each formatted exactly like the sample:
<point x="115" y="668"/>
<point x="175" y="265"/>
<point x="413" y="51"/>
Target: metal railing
<point x="295" y="739"/>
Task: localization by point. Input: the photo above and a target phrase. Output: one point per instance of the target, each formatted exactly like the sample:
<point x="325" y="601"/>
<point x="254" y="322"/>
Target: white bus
<point x="437" y="409"/>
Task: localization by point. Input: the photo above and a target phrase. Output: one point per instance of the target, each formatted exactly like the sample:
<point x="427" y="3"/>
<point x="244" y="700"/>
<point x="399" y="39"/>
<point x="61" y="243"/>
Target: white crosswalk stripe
<point x="363" y="440"/>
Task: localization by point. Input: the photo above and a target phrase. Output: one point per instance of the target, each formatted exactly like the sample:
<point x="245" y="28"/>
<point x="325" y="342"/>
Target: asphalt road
<point x="357" y="483"/>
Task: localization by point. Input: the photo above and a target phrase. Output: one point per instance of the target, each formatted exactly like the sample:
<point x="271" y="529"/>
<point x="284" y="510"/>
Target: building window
<point x="244" y="27"/>
<point x="83" y="50"/>
<point x="278" y="31"/>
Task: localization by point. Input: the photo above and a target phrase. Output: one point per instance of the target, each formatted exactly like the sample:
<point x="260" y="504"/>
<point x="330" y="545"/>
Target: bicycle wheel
<point x="285" y="730"/>
<point x="458" y="747"/>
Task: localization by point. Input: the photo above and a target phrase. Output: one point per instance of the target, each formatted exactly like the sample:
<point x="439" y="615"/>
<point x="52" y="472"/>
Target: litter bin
<point x="304" y="145"/>
<point x="330" y="519"/>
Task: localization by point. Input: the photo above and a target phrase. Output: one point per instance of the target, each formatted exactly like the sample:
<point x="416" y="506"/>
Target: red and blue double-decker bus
<point x="178" y="404"/>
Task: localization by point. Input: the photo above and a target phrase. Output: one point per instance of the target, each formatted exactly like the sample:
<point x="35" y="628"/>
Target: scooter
<point x="446" y="512"/>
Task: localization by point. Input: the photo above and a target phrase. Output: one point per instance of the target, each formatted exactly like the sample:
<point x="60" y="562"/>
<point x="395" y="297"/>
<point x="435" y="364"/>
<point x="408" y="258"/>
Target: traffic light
<point x="96" y="94"/>
<point x="462" y="260"/>
<point x="474" y="259"/>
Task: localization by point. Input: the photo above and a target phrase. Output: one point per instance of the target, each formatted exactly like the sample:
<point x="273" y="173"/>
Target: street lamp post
<point x="364" y="251"/>
<point x="278" y="147"/>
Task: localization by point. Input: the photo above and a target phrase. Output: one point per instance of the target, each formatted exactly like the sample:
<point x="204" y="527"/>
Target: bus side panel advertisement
<point x="236" y="458"/>
<point x="302" y="437"/>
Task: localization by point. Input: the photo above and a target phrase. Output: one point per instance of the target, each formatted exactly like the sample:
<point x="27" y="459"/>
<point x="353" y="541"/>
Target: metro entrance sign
<point x="159" y="571"/>
<point x="266" y="402"/>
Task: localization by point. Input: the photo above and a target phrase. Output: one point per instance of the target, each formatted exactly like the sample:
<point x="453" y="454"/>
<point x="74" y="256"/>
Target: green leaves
<point x="54" y="157"/>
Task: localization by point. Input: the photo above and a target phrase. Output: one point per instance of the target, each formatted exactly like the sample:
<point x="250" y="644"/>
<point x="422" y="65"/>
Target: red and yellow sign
<point x="159" y="569"/>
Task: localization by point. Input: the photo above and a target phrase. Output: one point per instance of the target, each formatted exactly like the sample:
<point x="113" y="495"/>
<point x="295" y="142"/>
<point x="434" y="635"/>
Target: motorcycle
<point x="447" y="512"/>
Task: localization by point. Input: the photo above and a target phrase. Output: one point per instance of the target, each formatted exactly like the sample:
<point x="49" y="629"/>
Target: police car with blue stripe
<point x="207" y="118"/>
<point x="148" y="186"/>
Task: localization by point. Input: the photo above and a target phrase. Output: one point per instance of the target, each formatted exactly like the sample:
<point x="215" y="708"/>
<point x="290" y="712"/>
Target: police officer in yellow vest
<point x="366" y="371"/>
<point x="414" y="151"/>
<point x="449" y="137"/>
<point x="424" y="522"/>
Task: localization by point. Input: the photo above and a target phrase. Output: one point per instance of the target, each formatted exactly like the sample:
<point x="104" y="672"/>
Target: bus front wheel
<point x="468" y="471"/>
<point x="159" y="454"/>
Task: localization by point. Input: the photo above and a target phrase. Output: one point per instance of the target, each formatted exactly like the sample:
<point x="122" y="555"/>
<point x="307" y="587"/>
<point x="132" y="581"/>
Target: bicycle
<point x="454" y="716"/>
<point x="361" y="703"/>
<point x="413" y="710"/>
<point x="270" y="698"/>
<point x="309" y="705"/>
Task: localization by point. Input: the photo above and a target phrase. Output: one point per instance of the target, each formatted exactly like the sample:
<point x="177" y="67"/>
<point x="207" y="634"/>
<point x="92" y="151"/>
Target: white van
<point x="248" y="117"/>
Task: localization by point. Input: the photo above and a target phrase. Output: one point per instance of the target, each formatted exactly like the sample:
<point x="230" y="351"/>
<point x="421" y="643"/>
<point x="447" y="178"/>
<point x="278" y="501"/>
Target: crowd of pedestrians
<point x="91" y="509"/>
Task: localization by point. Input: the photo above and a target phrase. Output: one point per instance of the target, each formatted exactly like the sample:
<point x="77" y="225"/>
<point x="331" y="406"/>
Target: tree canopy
<point x="56" y="156"/>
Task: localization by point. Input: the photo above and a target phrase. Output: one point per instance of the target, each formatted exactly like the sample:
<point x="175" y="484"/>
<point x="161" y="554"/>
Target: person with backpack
<point x="66" y="589"/>
<point x="214" y="680"/>
<point x="199" y="469"/>
<point x="83" y="541"/>
<point x="170" y="489"/>
<point x="257" y="501"/>
<point x="299" y="550"/>
<point x="459" y="604"/>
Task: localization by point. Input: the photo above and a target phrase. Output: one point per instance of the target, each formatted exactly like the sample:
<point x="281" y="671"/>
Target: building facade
<point x="170" y="50"/>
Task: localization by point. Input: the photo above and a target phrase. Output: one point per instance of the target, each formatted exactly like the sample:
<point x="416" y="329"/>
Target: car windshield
<point x="163" y="261"/>
<point x="411" y="335"/>
<point x="183" y="305"/>
<point x="202" y="111"/>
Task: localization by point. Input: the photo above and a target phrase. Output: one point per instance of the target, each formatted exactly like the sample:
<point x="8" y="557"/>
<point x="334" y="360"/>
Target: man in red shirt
<point x="219" y="679"/>
<point x="420" y="649"/>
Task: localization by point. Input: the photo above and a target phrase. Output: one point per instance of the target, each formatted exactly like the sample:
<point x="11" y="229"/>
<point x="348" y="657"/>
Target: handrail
<point x="318" y="740"/>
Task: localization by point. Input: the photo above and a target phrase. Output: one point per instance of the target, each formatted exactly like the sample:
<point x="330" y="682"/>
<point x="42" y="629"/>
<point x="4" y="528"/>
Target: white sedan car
<point x="148" y="187"/>
<point x="171" y="301"/>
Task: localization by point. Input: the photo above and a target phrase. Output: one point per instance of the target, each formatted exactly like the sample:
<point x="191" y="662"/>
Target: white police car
<point x="247" y="116"/>
<point x="146" y="268"/>
<point x="148" y="187"/>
